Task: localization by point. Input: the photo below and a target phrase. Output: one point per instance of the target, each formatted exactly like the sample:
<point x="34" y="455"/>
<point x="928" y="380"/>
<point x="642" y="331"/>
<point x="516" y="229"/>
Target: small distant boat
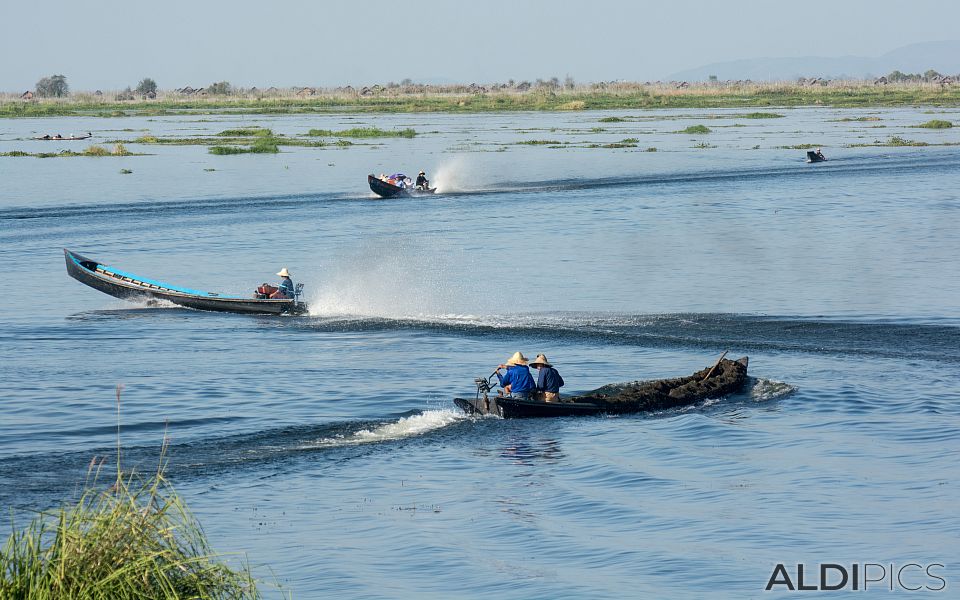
<point x="724" y="378"/>
<point x="385" y="189"/>
<point x="60" y="138"/>
<point x="128" y="286"/>
<point x="813" y="157"/>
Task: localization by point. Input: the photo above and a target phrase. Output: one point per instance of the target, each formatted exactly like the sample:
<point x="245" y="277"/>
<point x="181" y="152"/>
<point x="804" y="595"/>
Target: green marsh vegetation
<point x="696" y="130"/>
<point x="936" y="124"/>
<point x="95" y="151"/>
<point x="899" y="141"/>
<point x="134" y="539"/>
<point x="760" y="115"/>
<point x="493" y="98"/>
<point x="856" y="119"/>
<point x="364" y="132"/>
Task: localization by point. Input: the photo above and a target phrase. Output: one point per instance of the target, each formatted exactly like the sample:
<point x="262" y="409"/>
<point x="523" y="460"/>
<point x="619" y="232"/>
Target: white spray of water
<point x="397" y="278"/>
<point x="404" y="427"/>
<point x="455" y="175"/>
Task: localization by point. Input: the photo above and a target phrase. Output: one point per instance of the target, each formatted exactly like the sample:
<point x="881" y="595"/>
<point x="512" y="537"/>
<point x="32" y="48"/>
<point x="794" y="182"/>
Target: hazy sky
<point x="112" y="44"/>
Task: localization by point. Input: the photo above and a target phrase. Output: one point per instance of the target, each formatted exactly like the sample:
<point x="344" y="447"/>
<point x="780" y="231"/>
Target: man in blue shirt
<point x="549" y="381"/>
<point x="517" y="381"/>
<point x="286" y="284"/>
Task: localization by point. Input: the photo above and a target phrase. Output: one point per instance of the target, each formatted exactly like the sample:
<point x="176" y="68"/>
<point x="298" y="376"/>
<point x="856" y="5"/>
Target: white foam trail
<point x="768" y="389"/>
<point x="398" y="278"/>
<point x="454" y="175"/>
<point x="404" y="427"/>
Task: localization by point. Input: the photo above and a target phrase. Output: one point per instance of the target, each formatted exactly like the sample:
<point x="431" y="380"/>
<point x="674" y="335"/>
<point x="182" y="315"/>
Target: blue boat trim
<point x="151" y="283"/>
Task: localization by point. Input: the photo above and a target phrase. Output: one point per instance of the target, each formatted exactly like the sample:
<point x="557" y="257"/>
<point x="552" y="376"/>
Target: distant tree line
<point x="928" y="75"/>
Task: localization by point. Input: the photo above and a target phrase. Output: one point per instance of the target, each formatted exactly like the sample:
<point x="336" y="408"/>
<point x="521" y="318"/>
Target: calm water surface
<point x="327" y="448"/>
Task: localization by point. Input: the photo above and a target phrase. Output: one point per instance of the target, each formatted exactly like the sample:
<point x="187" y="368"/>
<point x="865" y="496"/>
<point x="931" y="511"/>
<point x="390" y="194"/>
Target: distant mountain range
<point x="943" y="57"/>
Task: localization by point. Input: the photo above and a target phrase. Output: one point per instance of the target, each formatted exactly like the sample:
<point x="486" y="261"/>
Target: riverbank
<point x="478" y="99"/>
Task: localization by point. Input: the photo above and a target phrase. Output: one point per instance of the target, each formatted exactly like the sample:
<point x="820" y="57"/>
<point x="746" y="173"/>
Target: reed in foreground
<point x="134" y="540"/>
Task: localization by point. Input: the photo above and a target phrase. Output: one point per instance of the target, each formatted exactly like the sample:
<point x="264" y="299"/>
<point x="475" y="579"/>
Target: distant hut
<point x="307" y="91"/>
<point x="151" y="95"/>
<point x="366" y="91"/>
<point x="880" y="81"/>
<point x="27" y="95"/>
<point x="187" y="91"/>
<point x="98" y="93"/>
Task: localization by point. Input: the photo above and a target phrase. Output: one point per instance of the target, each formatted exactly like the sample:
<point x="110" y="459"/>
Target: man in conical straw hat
<point x="549" y="381"/>
<point x="286" y="284"/>
<point x="517" y="381"/>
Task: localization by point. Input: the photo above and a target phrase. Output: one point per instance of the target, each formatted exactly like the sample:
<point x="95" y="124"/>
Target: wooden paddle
<point x="714" y="367"/>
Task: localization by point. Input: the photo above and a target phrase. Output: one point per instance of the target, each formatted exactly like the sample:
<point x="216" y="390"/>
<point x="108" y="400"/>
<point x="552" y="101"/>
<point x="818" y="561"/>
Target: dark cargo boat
<point x="128" y="286"/>
<point x="724" y="378"/>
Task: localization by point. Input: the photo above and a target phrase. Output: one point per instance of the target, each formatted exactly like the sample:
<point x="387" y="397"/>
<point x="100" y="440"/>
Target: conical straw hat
<point x="284" y="272"/>
<point x="517" y="359"/>
<point x="541" y="360"/>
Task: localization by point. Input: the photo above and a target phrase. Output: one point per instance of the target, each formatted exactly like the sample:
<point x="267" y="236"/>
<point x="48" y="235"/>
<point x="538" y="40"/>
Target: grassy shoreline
<point x="618" y="96"/>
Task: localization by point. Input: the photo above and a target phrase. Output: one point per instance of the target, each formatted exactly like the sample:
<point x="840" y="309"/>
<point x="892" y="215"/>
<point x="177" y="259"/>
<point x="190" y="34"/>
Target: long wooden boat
<point x="387" y="190"/>
<point x="128" y="286"/>
<point x="724" y="378"/>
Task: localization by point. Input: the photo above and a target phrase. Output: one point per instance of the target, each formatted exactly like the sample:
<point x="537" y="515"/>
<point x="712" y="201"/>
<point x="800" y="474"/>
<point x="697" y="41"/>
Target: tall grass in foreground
<point x="135" y="539"/>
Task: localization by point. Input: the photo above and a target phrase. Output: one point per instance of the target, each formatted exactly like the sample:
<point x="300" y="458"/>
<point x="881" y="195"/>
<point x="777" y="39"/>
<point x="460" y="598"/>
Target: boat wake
<point x="404" y="427"/>
<point x="765" y="390"/>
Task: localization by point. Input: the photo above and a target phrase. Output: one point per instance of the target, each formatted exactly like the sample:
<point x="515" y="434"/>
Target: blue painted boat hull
<point x="127" y="286"/>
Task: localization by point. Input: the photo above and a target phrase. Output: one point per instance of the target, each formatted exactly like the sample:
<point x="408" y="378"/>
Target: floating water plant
<point x="364" y="132"/>
<point x="936" y="124"/>
<point x="696" y="130"/>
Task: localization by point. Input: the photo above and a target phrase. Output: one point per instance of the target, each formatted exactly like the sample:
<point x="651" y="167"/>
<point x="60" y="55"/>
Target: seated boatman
<point x="517" y="381"/>
<point x="422" y="183"/>
<point x="549" y="381"/>
<point x="285" y="288"/>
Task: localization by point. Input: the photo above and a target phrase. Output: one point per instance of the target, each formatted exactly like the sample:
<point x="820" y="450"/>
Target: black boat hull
<point x="729" y="378"/>
<point x="135" y="289"/>
<point x="813" y="157"/>
<point x="385" y="190"/>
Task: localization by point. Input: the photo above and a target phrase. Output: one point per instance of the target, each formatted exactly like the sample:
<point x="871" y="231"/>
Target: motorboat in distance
<point x="134" y="288"/>
<point x="386" y="189"/>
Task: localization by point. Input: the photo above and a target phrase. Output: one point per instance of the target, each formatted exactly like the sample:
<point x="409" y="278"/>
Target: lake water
<point x="327" y="447"/>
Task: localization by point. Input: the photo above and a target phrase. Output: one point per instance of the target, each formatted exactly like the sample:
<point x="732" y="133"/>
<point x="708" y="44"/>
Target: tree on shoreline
<point x="54" y="86"/>
<point x="220" y="88"/>
<point x="146" y="86"/>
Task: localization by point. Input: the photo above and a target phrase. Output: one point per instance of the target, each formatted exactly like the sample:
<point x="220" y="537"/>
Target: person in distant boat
<point x="820" y="155"/>
<point x="285" y="288"/>
<point x="517" y="381"/>
<point x="58" y="137"/>
<point x="422" y="183"/>
<point x="549" y="380"/>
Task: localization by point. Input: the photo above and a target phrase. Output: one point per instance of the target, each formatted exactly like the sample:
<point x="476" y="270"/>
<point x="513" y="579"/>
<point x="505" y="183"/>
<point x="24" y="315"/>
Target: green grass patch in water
<point x="936" y="124"/>
<point x="364" y="132"/>
<point x="539" y="143"/>
<point x="696" y="130"/>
